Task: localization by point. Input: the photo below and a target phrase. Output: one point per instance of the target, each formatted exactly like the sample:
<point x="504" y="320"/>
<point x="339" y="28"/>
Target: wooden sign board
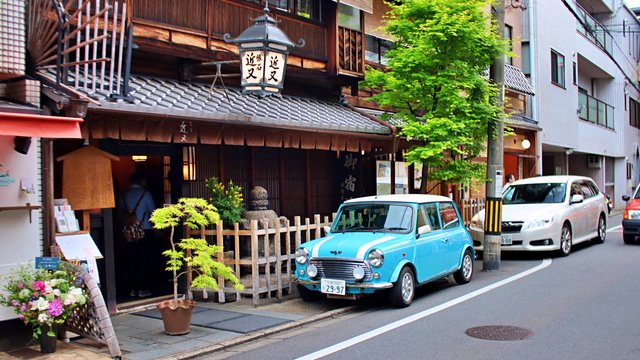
<point x="87" y="181"/>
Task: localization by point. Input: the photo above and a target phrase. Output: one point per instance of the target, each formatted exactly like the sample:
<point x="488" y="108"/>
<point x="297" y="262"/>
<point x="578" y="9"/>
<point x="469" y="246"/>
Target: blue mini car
<point x="386" y="242"/>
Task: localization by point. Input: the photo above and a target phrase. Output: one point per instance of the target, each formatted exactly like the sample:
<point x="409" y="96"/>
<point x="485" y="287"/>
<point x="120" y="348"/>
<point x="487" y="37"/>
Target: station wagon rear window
<point x="374" y="217"/>
<point x="535" y="193"/>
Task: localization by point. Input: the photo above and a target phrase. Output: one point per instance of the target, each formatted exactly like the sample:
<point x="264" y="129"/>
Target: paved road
<point x="584" y="306"/>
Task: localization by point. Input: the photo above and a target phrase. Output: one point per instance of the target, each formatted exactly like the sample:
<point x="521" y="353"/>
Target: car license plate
<point x="506" y="240"/>
<point x="331" y="286"/>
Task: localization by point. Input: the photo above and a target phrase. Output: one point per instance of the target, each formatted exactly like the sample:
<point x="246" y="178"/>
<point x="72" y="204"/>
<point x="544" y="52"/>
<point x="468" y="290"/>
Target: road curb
<point x="258" y="335"/>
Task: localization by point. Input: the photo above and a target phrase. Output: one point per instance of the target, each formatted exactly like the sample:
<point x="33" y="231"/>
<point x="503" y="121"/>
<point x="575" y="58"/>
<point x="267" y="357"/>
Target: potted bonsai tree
<point x="189" y="256"/>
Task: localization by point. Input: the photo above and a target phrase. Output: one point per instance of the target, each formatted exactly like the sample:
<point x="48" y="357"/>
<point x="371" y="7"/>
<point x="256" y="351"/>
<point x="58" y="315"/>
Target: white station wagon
<point x="546" y="213"/>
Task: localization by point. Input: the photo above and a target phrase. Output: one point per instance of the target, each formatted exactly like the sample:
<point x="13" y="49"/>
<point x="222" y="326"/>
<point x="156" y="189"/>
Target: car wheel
<point x="628" y="239"/>
<point x="602" y="230"/>
<point x="404" y="289"/>
<point x="464" y="273"/>
<point x="566" y="240"/>
<point x="308" y="295"/>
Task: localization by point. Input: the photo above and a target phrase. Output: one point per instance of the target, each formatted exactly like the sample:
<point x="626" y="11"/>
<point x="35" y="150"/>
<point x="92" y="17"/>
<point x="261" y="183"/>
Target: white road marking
<point x="394" y="325"/>
<point x="615" y="228"/>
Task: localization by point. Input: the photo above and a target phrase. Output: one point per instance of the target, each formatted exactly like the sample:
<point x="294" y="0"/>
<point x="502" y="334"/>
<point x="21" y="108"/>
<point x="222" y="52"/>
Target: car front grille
<point x="340" y="269"/>
<point x="512" y="226"/>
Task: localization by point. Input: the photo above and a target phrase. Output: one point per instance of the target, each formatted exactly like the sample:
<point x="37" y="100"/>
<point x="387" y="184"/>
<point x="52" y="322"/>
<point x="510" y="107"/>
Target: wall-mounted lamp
<point x="139" y="158"/>
<point x="526" y="144"/>
<point x="189" y="163"/>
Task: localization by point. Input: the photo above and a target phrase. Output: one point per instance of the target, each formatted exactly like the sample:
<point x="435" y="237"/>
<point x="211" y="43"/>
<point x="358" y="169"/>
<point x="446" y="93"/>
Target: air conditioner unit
<point x="593" y="161"/>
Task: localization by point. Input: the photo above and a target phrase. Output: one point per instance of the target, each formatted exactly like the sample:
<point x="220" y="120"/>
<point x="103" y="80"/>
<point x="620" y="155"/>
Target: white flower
<point x="69" y="300"/>
<point x="77" y="294"/>
<point x="48" y="289"/>
<point x="56" y="292"/>
<point x="43" y="318"/>
<point x="41" y="304"/>
<point x="52" y="282"/>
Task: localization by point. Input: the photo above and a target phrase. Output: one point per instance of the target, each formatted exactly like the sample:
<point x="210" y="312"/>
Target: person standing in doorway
<point x="136" y="198"/>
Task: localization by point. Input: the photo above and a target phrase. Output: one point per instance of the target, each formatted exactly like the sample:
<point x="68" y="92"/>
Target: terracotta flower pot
<point x="176" y="316"/>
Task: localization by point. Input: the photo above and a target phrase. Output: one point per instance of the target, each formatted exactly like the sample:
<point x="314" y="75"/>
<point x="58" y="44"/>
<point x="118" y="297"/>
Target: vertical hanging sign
<point x="349" y="169"/>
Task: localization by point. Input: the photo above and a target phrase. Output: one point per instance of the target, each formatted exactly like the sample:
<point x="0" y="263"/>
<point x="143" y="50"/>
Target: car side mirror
<point x="424" y="229"/>
<point x="577" y="198"/>
<point x="626" y="197"/>
<point x="327" y="229"/>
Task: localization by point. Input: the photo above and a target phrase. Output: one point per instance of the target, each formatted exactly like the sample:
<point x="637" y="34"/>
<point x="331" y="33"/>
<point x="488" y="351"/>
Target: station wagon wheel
<point x="464" y="273"/>
<point x="566" y="240"/>
<point x="403" y="290"/>
<point x="602" y="230"/>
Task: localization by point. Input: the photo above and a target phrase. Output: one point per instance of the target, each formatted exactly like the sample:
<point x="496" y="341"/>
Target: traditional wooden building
<point x="160" y="87"/>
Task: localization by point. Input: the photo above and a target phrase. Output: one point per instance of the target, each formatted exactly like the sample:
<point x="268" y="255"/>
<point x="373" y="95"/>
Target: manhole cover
<point x="499" y="332"/>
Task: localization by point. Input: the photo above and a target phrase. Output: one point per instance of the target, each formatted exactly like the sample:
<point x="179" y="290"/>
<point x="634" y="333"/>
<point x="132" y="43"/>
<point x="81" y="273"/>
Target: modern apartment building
<point x="581" y="57"/>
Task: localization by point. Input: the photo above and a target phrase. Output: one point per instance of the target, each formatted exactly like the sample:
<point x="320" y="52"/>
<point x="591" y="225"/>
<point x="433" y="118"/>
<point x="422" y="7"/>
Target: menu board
<point x="78" y="246"/>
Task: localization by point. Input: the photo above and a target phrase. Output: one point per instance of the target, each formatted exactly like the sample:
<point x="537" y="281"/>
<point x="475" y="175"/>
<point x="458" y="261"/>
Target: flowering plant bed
<point x="43" y="298"/>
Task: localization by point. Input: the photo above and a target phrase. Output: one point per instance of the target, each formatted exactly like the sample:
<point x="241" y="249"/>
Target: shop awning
<point x="39" y="126"/>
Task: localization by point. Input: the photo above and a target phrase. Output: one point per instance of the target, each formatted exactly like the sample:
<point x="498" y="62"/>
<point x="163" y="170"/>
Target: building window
<point x="526" y="58"/>
<point x="309" y="9"/>
<point x="349" y="17"/>
<point x="575" y="73"/>
<point x="557" y="69"/>
<point x="634" y="113"/>
<point x="508" y="35"/>
<point x="376" y="48"/>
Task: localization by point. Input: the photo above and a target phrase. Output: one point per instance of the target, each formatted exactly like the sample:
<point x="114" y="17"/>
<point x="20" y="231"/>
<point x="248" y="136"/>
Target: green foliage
<point x="195" y="254"/>
<point x="228" y="200"/>
<point x="437" y="82"/>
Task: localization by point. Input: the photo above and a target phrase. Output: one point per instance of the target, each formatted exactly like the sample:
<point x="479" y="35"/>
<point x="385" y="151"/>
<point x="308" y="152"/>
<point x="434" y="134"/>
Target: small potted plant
<point x="195" y="255"/>
<point x="43" y="299"/>
<point x="227" y="200"/>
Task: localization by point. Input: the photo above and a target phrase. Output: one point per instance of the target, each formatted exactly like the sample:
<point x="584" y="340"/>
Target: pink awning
<point x="39" y="126"/>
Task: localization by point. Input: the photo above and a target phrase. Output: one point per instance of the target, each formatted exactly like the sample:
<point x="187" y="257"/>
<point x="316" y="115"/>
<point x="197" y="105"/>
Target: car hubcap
<point x="602" y="228"/>
<point x="407" y="287"/>
<point x="566" y="240"/>
<point x="467" y="266"/>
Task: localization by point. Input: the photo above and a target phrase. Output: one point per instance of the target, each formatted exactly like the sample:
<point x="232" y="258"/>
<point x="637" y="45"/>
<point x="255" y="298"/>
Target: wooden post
<point x="278" y="269"/>
<point x="220" y="256"/>
<point x="267" y="257"/>
<point x="254" y="262"/>
<point x="287" y="244"/>
<point x="298" y="236"/>
<point x="307" y="224"/>
<point x="236" y="254"/>
<point x="316" y="220"/>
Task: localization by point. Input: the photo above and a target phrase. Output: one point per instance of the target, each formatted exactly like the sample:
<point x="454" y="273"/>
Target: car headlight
<point x="537" y="223"/>
<point x="358" y="272"/>
<point x="633" y="214"/>
<point x="302" y="255"/>
<point x="375" y="258"/>
<point x="476" y="223"/>
<point x="312" y="270"/>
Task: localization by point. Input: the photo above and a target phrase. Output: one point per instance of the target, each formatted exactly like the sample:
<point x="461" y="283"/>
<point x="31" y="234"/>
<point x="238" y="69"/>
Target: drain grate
<point x="499" y="332"/>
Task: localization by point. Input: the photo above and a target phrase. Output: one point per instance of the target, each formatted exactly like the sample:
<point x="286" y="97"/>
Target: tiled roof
<point x="514" y="79"/>
<point x="520" y="121"/>
<point x="195" y="100"/>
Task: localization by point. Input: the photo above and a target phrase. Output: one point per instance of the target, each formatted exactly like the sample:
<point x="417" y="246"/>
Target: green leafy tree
<point x="227" y="199"/>
<point x="193" y="253"/>
<point x="436" y="82"/>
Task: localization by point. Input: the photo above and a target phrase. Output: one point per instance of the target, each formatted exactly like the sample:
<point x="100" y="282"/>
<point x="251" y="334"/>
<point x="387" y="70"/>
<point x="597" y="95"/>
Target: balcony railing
<point x="350" y="51"/>
<point x="595" y="111"/>
<point x="594" y="31"/>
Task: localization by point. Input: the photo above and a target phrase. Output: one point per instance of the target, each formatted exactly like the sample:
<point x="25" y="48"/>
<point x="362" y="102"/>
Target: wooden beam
<point x="308" y="183"/>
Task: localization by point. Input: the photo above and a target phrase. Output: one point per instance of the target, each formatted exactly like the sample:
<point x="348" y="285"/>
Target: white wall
<point x="20" y="239"/>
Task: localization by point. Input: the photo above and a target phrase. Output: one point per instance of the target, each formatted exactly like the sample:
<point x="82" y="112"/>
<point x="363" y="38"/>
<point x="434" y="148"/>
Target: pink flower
<point x="20" y="285"/>
<point x="55" y="308"/>
<point x="15" y="303"/>
<point x="38" y="286"/>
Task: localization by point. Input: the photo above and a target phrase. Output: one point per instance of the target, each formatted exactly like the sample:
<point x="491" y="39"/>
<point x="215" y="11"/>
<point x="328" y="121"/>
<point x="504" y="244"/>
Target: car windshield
<point x="543" y="193"/>
<point x="374" y="217"/>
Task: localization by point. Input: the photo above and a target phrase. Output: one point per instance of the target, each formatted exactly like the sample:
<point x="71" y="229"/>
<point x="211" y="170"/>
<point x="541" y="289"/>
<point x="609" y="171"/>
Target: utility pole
<point x="495" y="142"/>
